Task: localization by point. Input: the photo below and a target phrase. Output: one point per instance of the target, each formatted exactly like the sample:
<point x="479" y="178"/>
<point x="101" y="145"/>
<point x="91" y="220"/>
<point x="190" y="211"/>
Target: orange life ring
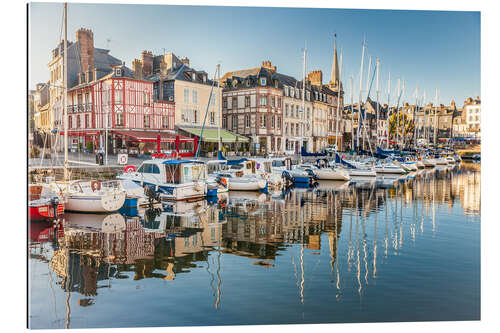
<point x="223" y="181"/>
<point x="129" y="168"/>
<point x="95" y="185"/>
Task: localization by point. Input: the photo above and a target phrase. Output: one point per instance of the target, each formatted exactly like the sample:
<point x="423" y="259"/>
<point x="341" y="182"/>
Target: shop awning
<point x="210" y="134"/>
<point x="146" y="136"/>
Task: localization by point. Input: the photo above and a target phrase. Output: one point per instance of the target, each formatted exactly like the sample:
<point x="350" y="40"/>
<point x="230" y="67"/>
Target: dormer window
<point x="276" y="83"/>
<point x="287" y="91"/>
<point x="235" y="82"/>
<point x="193" y="76"/>
<point x="263" y="81"/>
<point x="118" y="71"/>
<point x="248" y="82"/>
<point x="204" y="78"/>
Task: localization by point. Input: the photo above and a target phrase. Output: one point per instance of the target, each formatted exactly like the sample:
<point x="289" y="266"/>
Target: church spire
<point x="335" y="66"/>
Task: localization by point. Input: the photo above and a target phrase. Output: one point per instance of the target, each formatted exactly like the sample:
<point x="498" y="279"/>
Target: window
<point x="119" y="119"/>
<point x="235" y="121"/>
<point x="212" y="117"/>
<point x="70" y="123"/>
<point x="87" y="121"/>
<point x="164" y="121"/>
<point x="272" y="121"/>
<point x="308" y="95"/>
<point x="235" y="102"/>
<point x="118" y="97"/>
<point x="195" y="116"/>
<point x="247" y="101"/>
<point x="263" y="123"/>
<point x="247" y="121"/>
<point x="273" y="101"/>
<point x="195" y="97"/>
<point x="286" y="128"/>
<point x="78" y="124"/>
<point x="287" y="91"/>
<point x="279" y="102"/>
<point x="308" y="113"/>
<point x="292" y="93"/>
<point x="147" y="121"/>
<point x="286" y="110"/>
<point x="263" y="100"/>
<point x="224" y="102"/>
<point x="291" y="128"/>
<point x="263" y="81"/>
<point x="186" y="95"/>
<point x="297" y="129"/>
<point x="279" y="123"/>
<point x="146" y="97"/>
<point x="224" y="122"/>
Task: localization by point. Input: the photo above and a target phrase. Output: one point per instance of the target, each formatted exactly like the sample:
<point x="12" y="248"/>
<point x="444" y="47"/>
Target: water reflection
<point x="363" y="224"/>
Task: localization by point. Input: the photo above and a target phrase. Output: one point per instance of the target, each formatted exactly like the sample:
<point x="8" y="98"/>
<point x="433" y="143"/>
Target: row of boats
<point x="189" y="180"/>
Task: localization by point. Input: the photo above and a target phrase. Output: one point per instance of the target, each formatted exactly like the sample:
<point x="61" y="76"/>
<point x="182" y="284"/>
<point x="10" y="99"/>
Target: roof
<point x="210" y="134"/>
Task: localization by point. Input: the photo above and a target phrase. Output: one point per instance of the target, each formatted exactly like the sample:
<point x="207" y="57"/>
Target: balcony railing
<point x="80" y="108"/>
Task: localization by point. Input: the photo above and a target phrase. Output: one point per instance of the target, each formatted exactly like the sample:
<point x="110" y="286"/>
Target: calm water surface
<point x="393" y="249"/>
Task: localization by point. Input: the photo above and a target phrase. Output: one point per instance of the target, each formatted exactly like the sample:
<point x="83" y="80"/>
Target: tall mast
<point x="435" y="119"/>
<point x="338" y="103"/>
<point x="303" y="97"/>
<point x="352" y="114"/>
<point x="388" y="112"/>
<point x="397" y="110"/>
<point x="378" y="91"/>
<point x="360" y="91"/>
<point x="426" y="130"/>
<point x="404" y="115"/>
<point x="218" y="105"/>
<point x="368" y="75"/>
<point x="415" y="119"/>
<point x="65" y="94"/>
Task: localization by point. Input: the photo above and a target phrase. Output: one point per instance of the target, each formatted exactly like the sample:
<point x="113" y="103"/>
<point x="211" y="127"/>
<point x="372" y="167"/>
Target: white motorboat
<point x="410" y="165"/>
<point x="327" y="173"/>
<point x="242" y="176"/>
<point x="440" y="161"/>
<point x="172" y="179"/>
<point x="450" y="160"/>
<point x="362" y="172"/>
<point x="282" y="167"/>
<point x="429" y="162"/>
<point x="389" y="168"/>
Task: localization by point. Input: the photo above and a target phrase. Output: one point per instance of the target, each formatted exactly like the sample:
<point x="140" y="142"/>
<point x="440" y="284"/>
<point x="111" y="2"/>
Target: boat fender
<point x="95" y="185"/>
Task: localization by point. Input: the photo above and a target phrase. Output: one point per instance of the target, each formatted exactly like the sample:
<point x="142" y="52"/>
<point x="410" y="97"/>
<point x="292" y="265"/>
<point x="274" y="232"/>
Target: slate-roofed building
<point x="197" y="98"/>
<point x="252" y="107"/>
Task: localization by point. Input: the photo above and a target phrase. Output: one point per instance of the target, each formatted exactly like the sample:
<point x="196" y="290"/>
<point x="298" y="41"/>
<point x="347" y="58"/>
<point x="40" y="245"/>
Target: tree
<point x="404" y="120"/>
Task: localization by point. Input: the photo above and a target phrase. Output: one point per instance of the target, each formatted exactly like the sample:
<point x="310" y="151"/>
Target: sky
<point x="425" y="49"/>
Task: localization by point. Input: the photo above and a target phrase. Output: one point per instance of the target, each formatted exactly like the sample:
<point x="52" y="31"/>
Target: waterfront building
<point x="472" y="114"/>
<point x="124" y="107"/>
<point x="197" y="98"/>
<point x="83" y="57"/>
<point x="252" y="106"/>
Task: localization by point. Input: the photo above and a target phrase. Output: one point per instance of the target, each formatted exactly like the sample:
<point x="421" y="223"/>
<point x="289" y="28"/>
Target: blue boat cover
<point x="177" y="162"/>
<point x="234" y="162"/>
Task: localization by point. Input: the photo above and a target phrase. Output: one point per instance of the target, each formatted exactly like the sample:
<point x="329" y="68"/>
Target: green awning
<point x="210" y="134"/>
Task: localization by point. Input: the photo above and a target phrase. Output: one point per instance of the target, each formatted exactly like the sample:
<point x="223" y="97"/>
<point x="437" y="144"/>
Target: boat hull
<point x="235" y="184"/>
<point x="87" y="203"/>
<point x="45" y="212"/>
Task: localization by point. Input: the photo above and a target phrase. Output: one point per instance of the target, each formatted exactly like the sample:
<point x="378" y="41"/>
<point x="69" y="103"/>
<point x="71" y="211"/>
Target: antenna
<point x="108" y="41"/>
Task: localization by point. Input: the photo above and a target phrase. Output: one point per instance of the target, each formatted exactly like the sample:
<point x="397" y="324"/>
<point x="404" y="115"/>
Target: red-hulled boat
<point x="42" y="206"/>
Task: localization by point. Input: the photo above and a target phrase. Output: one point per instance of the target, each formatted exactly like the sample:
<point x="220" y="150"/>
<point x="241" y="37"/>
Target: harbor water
<point x="394" y="248"/>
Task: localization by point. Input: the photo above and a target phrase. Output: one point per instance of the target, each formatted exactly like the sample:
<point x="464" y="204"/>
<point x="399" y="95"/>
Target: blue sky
<point x="428" y="49"/>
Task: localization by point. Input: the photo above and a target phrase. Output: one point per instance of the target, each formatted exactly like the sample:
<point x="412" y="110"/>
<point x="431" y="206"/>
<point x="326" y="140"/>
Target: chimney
<point x="86" y="39"/>
<point x="95" y="74"/>
<point x="137" y="68"/>
<point x="267" y="64"/>
<point x="185" y="61"/>
<point x="89" y="76"/>
<point x="147" y="63"/>
<point x="316" y="78"/>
